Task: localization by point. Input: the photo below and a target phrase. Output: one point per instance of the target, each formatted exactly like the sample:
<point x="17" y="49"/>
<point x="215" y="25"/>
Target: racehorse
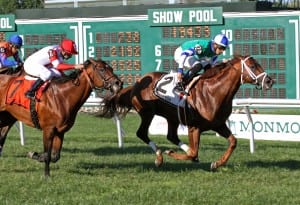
<point x="207" y="107"/>
<point x="57" y="107"/>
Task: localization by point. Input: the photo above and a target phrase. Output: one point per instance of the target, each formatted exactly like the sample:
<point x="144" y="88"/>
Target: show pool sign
<point x="186" y="16"/>
<point x="7" y="23"/>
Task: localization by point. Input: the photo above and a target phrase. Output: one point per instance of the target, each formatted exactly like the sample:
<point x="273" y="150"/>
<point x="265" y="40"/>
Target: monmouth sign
<point x="265" y="127"/>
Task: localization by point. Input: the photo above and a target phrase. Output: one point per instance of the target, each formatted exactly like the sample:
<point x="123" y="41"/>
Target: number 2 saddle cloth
<point x="164" y="89"/>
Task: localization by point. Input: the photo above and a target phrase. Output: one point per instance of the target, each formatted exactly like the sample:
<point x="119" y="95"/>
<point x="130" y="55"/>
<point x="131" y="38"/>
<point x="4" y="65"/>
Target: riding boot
<point x="179" y="87"/>
<point x="31" y="92"/>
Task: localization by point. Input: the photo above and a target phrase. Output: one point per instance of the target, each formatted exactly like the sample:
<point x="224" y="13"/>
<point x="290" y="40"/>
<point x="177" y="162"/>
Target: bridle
<point x="102" y="70"/>
<point x="254" y="77"/>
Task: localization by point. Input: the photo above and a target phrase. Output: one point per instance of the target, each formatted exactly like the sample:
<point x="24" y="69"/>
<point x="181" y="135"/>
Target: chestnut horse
<point x="57" y="107"/>
<point x="208" y="106"/>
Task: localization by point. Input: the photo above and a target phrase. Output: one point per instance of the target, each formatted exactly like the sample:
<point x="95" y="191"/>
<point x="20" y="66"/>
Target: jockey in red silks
<point x="49" y="62"/>
<point x="8" y="49"/>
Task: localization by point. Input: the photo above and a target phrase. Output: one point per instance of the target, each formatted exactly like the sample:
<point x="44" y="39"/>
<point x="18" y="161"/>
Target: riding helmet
<point x="221" y="40"/>
<point x="68" y="46"/>
<point x="16" y="40"/>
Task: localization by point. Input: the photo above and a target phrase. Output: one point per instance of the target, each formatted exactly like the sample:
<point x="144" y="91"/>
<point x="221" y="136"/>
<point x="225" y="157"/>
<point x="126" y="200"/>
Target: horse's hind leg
<point x="142" y="133"/>
<point x="226" y="133"/>
<point x="192" y="152"/>
<point x="172" y="136"/>
<point x="3" y="134"/>
<point x="6" y="122"/>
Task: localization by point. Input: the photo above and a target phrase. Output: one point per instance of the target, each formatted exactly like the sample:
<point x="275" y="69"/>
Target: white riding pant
<point x="189" y="61"/>
<point x="40" y="71"/>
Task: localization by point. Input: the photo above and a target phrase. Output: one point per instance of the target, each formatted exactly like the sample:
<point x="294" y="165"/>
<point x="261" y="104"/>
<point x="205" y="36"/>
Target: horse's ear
<point x="86" y="63"/>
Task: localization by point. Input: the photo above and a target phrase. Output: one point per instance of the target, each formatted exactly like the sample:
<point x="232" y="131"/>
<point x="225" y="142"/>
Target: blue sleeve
<point x="5" y="62"/>
<point x="214" y="60"/>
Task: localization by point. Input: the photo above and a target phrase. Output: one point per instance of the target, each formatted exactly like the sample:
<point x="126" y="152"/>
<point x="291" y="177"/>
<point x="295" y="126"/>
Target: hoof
<point x="159" y="158"/>
<point x="32" y="155"/>
<point x="213" y="166"/>
<point x="196" y="160"/>
<point x="169" y="152"/>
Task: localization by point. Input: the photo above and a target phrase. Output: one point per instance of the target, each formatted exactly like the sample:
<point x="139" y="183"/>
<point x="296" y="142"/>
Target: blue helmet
<point x="221" y="40"/>
<point x="16" y="40"/>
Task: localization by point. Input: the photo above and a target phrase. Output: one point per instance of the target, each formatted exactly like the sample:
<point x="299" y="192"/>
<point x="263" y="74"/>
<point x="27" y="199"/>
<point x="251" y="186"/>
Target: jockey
<point x="197" y="55"/>
<point x="49" y="62"/>
<point x="8" y="49"/>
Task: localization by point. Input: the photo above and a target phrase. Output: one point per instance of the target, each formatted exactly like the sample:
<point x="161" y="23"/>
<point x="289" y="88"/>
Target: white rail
<point x="247" y="103"/>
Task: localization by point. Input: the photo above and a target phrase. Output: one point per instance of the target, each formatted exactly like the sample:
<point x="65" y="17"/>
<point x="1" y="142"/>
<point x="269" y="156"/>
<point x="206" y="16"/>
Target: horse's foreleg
<point x="191" y="150"/>
<point x="142" y="133"/>
<point x="225" y="132"/>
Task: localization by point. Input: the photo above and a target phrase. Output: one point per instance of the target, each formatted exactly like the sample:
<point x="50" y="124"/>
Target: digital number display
<point x="34" y="42"/>
<point x="122" y="50"/>
<point x="268" y="47"/>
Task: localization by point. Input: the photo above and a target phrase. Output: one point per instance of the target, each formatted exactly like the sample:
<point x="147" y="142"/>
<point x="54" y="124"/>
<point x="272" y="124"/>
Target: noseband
<point x="96" y="66"/>
<point x="254" y="77"/>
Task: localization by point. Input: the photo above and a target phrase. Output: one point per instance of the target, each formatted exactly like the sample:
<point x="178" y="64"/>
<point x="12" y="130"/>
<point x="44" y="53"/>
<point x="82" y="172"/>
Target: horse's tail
<point x="120" y="104"/>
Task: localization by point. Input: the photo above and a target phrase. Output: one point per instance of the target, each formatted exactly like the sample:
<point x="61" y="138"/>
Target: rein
<point x="90" y="81"/>
<point x="251" y="74"/>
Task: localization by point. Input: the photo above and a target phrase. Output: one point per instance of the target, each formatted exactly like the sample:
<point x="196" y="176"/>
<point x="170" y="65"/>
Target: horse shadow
<point x="284" y="164"/>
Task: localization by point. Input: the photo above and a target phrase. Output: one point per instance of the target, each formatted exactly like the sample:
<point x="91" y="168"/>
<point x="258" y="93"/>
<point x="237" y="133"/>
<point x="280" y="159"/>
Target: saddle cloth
<point x="16" y="92"/>
<point x="164" y="89"/>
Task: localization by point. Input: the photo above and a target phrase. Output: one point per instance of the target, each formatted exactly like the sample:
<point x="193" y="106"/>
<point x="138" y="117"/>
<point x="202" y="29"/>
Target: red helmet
<point x="68" y="46"/>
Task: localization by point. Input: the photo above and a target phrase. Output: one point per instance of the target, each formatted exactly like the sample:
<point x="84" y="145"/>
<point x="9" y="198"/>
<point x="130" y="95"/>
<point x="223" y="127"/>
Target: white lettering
<point x="167" y="17"/>
<point x="4" y="23"/>
<point x="202" y="16"/>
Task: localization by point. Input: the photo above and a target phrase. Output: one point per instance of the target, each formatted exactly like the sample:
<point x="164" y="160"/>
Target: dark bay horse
<point x="208" y="106"/>
<point x="57" y="107"/>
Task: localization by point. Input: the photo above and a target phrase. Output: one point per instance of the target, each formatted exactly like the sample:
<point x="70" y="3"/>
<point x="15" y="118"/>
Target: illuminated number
<point x="121" y="51"/>
<point x="136" y="37"/>
<point x="137" y="77"/>
<point x="207" y="31"/>
<point x="91" y="51"/>
<point x="114" y="65"/>
<point x="174" y="32"/>
<point x="121" y="64"/>
<point x="128" y="37"/>
<point x="129" y="79"/>
<point x="157" y="50"/>
<point x="113" y="51"/>
<point x="137" y="51"/>
<point x="137" y="65"/>
<point x="129" y="65"/>
<point x="190" y="32"/>
<point x="181" y="32"/>
<point x="121" y="37"/>
<point x="198" y="31"/>
<point x="158" y="64"/>
<point x="129" y="50"/>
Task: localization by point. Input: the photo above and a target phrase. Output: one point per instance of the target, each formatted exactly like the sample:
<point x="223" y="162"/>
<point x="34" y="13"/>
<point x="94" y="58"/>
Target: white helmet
<point x="221" y="40"/>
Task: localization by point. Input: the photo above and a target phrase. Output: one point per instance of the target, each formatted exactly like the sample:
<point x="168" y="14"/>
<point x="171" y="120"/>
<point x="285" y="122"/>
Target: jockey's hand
<point x="79" y="66"/>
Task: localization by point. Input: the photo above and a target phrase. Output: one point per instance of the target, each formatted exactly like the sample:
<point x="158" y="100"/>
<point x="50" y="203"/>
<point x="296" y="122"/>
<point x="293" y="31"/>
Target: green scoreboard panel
<point x="137" y="45"/>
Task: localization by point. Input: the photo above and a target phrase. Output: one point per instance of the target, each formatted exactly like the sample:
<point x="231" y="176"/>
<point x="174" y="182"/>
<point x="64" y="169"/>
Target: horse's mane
<point x="213" y="70"/>
<point x="218" y="67"/>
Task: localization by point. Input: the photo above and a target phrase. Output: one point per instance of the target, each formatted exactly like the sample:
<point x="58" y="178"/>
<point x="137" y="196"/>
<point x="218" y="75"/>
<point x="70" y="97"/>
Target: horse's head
<point x="101" y="75"/>
<point x="252" y="72"/>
